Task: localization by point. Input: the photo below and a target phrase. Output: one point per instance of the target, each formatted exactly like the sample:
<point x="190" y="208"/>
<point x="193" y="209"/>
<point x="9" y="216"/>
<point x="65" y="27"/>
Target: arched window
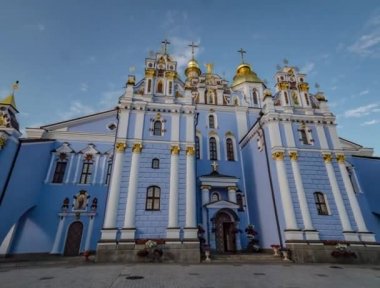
<point x="159" y="86"/>
<point x="149" y="85"/>
<point x="213" y="151"/>
<point x="155" y="163"/>
<point x="157" y="128"/>
<point x="215" y="197"/>
<point x="86" y="174"/>
<point x="60" y="168"/>
<point x="211" y="121"/>
<point x="230" y="150"/>
<point x="239" y="201"/>
<point x="320" y="203"/>
<point x="255" y="97"/>
<point x="197" y="152"/>
<point x="153" y="198"/>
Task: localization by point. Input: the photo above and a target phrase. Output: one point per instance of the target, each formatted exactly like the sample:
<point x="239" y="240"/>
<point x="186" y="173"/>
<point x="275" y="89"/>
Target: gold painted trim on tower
<point x="174" y="150"/>
<point x="3" y="141"/>
<point x="137" y="148"/>
<point x="283" y="85"/>
<point x="304" y="87"/>
<point x="293" y="155"/>
<point x="120" y="146"/>
<point x="278" y="155"/>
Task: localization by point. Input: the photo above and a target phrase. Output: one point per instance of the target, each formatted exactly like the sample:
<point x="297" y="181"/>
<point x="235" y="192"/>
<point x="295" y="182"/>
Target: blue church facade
<point x="176" y="160"/>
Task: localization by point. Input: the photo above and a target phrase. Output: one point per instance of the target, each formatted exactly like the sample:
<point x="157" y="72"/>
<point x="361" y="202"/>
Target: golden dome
<point x="320" y="96"/>
<point x="192" y="66"/>
<point x="244" y="73"/>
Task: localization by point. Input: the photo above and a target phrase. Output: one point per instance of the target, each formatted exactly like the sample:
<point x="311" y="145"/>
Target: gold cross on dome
<point x="242" y="52"/>
<point x="214" y="166"/>
<point x="166" y="43"/>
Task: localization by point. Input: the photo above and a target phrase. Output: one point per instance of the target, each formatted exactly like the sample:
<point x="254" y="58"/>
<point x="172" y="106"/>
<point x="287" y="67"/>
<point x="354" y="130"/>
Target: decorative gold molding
<point x="341" y="158"/>
<point x="120" y="146"/>
<point x="3" y="141"/>
<point x="229" y="188"/>
<point x="283" y="85"/>
<point x="149" y="73"/>
<point x="327" y="158"/>
<point x="278" y="155"/>
<point x="293" y="155"/>
<point x="190" y="151"/>
<point x="304" y="87"/>
<point x="137" y="147"/>
<point x="174" y="150"/>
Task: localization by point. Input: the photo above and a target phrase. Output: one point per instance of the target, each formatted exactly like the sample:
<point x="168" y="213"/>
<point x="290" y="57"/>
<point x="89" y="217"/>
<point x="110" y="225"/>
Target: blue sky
<point x="73" y="57"/>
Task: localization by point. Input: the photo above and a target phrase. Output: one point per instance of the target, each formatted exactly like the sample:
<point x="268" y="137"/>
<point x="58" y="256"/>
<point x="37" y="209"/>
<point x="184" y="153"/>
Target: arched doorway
<point x="225" y="232"/>
<point x="74" y="237"/>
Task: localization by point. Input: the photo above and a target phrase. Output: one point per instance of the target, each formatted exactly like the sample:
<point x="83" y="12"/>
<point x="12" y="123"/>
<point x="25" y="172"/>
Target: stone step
<point x="246" y="258"/>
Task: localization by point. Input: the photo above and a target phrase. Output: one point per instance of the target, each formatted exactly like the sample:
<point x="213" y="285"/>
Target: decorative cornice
<point x="293" y="155"/>
<point x="190" y="151"/>
<point x="327" y="158"/>
<point x="174" y="150"/>
<point x="120" y="146"/>
<point x="205" y="187"/>
<point x="340" y="158"/>
<point x="278" y="155"/>
<point x="137" y="147"/>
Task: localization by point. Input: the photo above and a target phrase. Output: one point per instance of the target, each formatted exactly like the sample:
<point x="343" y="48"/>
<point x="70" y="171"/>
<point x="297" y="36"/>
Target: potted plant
<point x="276" y="249"/>
<point x="285" y="254"/>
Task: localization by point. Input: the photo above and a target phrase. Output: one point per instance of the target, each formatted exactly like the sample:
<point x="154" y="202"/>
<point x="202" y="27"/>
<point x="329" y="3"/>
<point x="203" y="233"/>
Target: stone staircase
<point x="247" y="258"/>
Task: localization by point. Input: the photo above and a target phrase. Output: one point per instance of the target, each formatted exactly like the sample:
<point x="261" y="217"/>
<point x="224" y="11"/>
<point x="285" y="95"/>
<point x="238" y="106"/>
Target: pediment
<point x="222" y="204"/>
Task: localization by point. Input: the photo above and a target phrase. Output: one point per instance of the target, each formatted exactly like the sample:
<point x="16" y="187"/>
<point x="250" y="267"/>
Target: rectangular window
<point x="153" y="198"/>
<point x="320" y="203"/>
<point x="59" y="172"/>
<point x="85" y="176"/>
<point x="304" y="138"/>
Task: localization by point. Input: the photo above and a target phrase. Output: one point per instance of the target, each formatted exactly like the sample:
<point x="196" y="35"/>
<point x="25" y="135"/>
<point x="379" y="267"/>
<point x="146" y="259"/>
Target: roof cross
<point x="193" y="45"/>
<point x="166" y="43"/>
<point x="214" y="166"/>
<point x="242" y="52"/>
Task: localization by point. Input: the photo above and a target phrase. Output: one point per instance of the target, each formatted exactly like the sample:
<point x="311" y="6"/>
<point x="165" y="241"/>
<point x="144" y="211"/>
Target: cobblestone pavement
<point x="199" y="276"/>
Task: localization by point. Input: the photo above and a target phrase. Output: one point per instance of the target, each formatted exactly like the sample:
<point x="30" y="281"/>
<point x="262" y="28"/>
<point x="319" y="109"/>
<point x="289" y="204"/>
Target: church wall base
<point x="128" y="253"/>
<point x="320" y="253"/>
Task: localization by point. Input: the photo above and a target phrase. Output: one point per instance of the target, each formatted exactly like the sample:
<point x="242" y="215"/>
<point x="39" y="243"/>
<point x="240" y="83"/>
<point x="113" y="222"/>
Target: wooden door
<point x="74" y="237"/>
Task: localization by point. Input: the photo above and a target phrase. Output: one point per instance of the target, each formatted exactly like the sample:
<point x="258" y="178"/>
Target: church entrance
<point x="225" y="233"/>
<point x="74" y="237"/>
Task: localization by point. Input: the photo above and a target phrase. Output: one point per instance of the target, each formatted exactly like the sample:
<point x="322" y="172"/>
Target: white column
<point x="321" y="136"/>
<point x="79" y="161"/>
<point x="337" y="195"/>
<point x="109" y="228"/>
<point x="308" y="225"/>
<point x="286" y="199"/>
<point x="103" y="169"/>
<point x="241" y="118"/>
<point x="96" y="168"/>
<point x="89" y="233"/>
<point x="190" y="222"/>
<point x="130" y="209"/>
<point x="58" y="236"/>
<point x="173" y="229"/>
<point x="47" y="179"/>
<point x="7" y="242"/>
<point x="205" y="200"/>
<point x="71" y="160"/>
<point x="351" y="195"/>
<point x="334" y="137"/>
<point x="289" y="135"/>
<point x="274" y="134"/>
<point x="232" y="194"/>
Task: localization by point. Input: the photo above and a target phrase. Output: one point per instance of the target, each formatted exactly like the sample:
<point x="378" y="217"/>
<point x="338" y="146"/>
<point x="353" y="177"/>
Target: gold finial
<point x="242" y="52"/>
<point x="15" y="87"/>
<point x="209" y="68"/>
<point x="192" y="45"/>
<point x="166" y="43"/>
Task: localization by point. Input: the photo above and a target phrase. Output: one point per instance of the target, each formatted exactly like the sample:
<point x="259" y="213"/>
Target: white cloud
<point x="362" y="111"/>
<point x="83" y="87"/>
<point x="368" y="44"/>
<point x="41" y="27"/>
<point x="76" y="109"/>
<point x="308" y="67"/>
<point x="110" y="98"/>
<point x="364" y="92"/>
<point x="371" y="122"/>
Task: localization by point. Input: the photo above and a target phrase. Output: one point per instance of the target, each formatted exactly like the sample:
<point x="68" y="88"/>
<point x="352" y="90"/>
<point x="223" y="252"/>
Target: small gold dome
<point x="244" y="73"/>
<point x="192" y="66"/>
<point x="320" y="97"/>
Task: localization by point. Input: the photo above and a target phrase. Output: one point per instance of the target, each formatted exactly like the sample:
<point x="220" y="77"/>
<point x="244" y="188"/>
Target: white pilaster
<point x="351" y="195"/>
<point x="173" y="195"/>
<point x="58" y="236"/>
<point x="103" y="168"/>
<point x="109" y="232"/>
<point x="71" y="161"/>
<point x="79" y="161"/>
<point x="286" y="198"/>
<point x="322" y="136"/>
<point x="123" y="124"/>
<point x="205" y="200"/>
<point x="241" y="120"/>
<point x="308" y="226"/>
<point x="190" y="221"/>
<point x="89" y="233"/>
<point x="7" y="242"/>
<point x="274" y="134"/>
<point x="96" y="168"/>
<point x="175" y="128"/>
<point x="232" y="194"/>
<point x="48" y="175"/>
<point x="337" y="195"/>
<point x="289" y="134"/>
<point x="190" y="128"/>
<point x="334" y="137"/>
<point x="130" y="209"/>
